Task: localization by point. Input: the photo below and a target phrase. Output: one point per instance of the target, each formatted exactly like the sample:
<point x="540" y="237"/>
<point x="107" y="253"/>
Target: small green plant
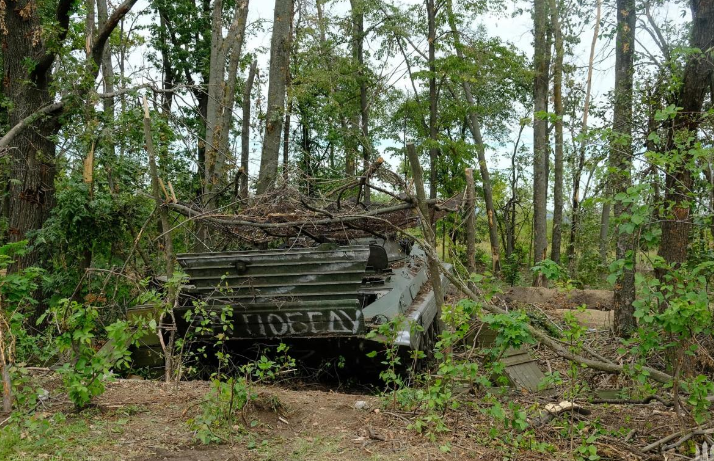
<point x="387" y="334"/>
<point x="216" y="421"/>
<point x="511" y="269"/>
<point x="88" y="369"/>
<point x="554" y="272"/>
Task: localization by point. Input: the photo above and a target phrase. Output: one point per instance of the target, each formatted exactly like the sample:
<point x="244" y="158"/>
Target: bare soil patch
<point x="560" y="299"/>
<point x="147" y="420"/>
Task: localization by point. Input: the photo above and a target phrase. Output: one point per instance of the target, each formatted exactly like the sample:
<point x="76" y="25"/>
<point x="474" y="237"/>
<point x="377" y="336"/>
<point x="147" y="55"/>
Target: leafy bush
<point x="88" y="369"/>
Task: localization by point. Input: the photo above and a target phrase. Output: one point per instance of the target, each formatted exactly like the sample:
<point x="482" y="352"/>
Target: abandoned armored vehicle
<point x="321" y="300"/>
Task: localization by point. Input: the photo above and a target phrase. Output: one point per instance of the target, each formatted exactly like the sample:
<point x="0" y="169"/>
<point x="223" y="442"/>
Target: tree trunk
<point x="288" y="112"/>
<point x="245" y="131"/>
<point x="358" y="53"/>
<point x="540" y="146"/>
<point x="621" y="163"/>
<point x="475" y="128"/>
<point x="510" y="217"/>
<point x="558" y="106"/>
<point x="433" y="103"/>
<point x="677" y="223"/>
<point x="427" y="227"/>
<point x="470" y="222"/>
<point x="32" y="152"/>
<point x="216" y="69"/>
<point x="31" y="146"/>
<point x="603" y="238"/>
<point x="221" y="95"/>
<point x="580" y="164"/>
<point x="279" y="62"/>
<point x="234" y="50"/>
<point x="286" y="137"/>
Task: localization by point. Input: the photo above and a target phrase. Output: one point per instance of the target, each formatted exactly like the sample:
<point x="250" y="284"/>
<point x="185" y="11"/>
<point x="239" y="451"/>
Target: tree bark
<point x="31" y="146"/>
<point x="603" y="237"/>
<point x="475" y="128"/>
<point x="427" y="227"/>
<point x="156" y="193"/>
<point x="245" y="131"/>
<point x="558" y="106"/>
<point x="433" y="103"/>
<point x="234" y="50"/>
<point x="221" y="95"/>
<point x="32" y="152"/>
<point x="277" y="82"/>
<point x="677" y="222"/>
<point x="620" y="163"/>
<point x="540" y="146"/>
<point x="358" y="53"/>
<point x="470" y="223"/>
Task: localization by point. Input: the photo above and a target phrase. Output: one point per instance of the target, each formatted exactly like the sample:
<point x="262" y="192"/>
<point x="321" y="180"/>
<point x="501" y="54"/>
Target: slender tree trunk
<point x="475" y="128"/>
<point x="512" y="203"/>
<point x="621" y="162"/>
<point x="286" y="137"/>
<point x="580" y="164"/>
<point x="168" y="242"/>
<point x="433" y="103"/>
<point x="358" y="50"/>
<point x="279" y="63"/>
<point x="470" y="222"/>
<point x="216" y="70"/>
<point x="288" y="112"/>
<point x="540" y="145"/>
<point x="234" y="49"/>
<point x="604" y="236"/>
<point x="221" y="95"/>
<point x="427" y="227"/>
<point x="558" y="106"/>
<point x="245" y="131"/>
<point x="107" y="80"/>
<point x="163" y="211"/>
<point x="677" y="221"/>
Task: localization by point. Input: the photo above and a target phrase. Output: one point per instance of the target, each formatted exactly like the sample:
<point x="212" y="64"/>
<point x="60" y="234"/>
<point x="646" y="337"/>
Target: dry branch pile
<point x="335" y="216"/>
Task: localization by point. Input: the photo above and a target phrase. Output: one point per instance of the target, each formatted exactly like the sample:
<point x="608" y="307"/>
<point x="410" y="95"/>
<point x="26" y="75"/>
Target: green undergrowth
<point x="57" y="437"/>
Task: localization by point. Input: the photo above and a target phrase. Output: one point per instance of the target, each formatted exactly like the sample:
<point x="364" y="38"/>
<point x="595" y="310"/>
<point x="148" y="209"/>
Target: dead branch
<point x="645" y="401"/>
<point x="685" y="435"/>
<point x="544" y="338"/>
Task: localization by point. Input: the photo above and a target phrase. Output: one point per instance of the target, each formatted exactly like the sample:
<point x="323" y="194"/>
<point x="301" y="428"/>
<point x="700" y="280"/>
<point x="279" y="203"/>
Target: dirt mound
<point x="560" y="299"/>
<point x="591" y="318"/>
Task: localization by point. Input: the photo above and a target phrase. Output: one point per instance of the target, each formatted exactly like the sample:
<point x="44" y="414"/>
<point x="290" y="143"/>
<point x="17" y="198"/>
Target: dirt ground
<point x="560" y="299"/>
<point x="147" y="420"/>
<point x="297" y="420"/>
<point x="598" y="304"/>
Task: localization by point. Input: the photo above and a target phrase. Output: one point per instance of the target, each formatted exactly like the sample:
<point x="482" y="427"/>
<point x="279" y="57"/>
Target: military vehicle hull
<point x="322" y="301"/>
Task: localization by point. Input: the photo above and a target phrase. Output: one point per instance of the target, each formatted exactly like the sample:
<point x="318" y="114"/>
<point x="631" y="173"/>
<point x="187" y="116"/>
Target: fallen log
<point x="544" y="337"/>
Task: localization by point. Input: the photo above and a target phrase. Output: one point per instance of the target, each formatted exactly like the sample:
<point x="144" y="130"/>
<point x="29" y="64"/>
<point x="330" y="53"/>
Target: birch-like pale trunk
<point x="277" y="83"/>
<point x="245" y="131"/>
